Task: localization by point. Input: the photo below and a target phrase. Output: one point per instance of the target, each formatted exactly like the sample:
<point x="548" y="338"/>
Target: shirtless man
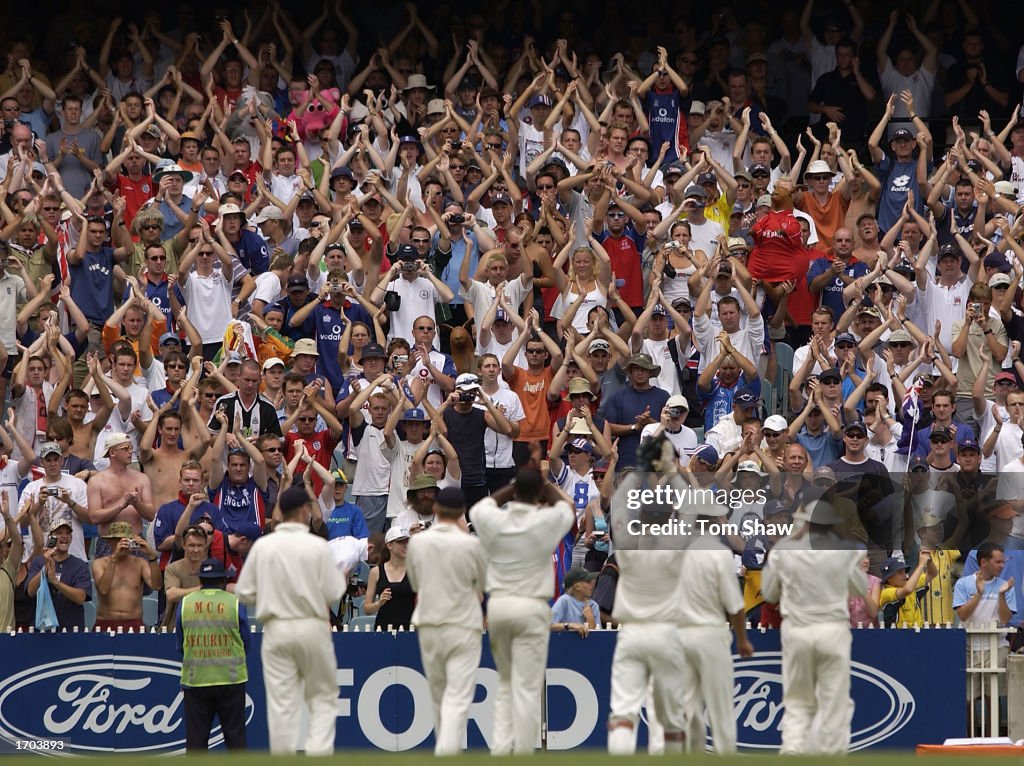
<point x="163" y="464"/>
<point x="120" y="577"/>
<point x="76" y="406"/>
<point x="120" y="493"/>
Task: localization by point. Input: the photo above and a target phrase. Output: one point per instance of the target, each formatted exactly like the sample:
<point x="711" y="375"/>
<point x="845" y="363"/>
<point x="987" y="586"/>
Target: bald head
<point x="842" y="243"/>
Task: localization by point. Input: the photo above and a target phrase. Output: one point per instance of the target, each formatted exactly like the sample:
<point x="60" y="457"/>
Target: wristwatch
<point x="565" y="627"/>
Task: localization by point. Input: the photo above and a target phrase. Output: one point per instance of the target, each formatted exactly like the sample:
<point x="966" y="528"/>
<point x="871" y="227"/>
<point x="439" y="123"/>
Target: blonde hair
<point x="593" y="262"/>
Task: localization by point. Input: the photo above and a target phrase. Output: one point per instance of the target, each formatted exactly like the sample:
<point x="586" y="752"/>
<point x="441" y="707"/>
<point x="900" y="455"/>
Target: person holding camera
<point x="980" y="343"/>
<point x="121" y="577"/>
<point x="67" y="576"/>
<point x="418" y="515"/>
<point x="409" y="289"/>
<point x="63" y="497"/>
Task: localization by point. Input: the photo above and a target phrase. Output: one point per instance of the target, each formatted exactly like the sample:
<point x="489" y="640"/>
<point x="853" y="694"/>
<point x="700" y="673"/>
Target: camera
<point x="8" y="124"/>
<point x="675" y="412"/>
<point x="456" y="218"/>
<point x="467" y="397"/>
<point x="50" y="491"/>
<point x="133" y="545"/>
<point x="672" y="244"/>
<point x="425" y="525"/>
<point x="51" y="542"/>
<point x="976" y="308"/>
<point x="409" y="266"/>
<point x="400" y="358"/>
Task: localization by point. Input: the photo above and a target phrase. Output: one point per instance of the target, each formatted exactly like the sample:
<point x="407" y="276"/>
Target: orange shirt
<point x="827" y="218"/>
<point x="112" y="335"/>
<point x="532" y="390"/>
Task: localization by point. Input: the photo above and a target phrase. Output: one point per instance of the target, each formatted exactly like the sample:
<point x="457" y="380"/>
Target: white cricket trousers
<point x="816" y="688"/>
<point x="299" y="663"/>
<point x="451" y="656"/>
<point x="648" y="659"/>
<point x="518" y="629"/>
<point x="709" y="663"/>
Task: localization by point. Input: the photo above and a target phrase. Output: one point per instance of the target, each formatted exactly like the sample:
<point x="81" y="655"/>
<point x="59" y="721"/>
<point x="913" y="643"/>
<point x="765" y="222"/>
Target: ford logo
<point x="884" y="704"/>
<point x="94" y="697"/>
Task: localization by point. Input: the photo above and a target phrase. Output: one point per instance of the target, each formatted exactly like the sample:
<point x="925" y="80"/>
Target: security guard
<point x="213" y="638"/>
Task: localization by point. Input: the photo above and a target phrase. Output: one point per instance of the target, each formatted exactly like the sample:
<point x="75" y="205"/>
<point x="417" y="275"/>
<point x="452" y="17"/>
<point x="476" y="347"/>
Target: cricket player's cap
<point x="450" y="497"/>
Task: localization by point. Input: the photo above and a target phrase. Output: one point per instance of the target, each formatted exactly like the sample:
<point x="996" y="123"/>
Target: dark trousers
<point x="499" y="477"/>
<point x="521" y="452"/>
<point x="202" y="703"/>
<point x="473" y="496"/>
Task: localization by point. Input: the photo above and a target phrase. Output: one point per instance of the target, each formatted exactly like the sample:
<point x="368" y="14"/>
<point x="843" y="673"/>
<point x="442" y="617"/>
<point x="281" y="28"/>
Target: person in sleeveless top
<point x="388" y="592"/>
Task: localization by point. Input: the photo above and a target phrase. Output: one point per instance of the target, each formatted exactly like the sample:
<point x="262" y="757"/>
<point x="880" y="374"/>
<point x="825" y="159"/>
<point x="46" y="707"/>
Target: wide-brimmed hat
<point x="416" y="81"/>
<point x="644" y="362"/>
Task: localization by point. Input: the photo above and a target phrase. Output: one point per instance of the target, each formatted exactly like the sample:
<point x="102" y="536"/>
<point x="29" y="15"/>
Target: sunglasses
<point x="939" y="440"/>
<point x="425" y="328"/>
<point x="157" y="257"/>
<point x="174" y="366"/>
<point x="210" y="396"/>
<point x="844" y="345"/>
<point x="307" y="420"/>
<point x="770" y="434"/>
<point x="420" y="241"/>
<point x="900" y="344"/>
<point x="151" y="226"/>
<point x="534" y="351"/>
<point x="618" y="214"/>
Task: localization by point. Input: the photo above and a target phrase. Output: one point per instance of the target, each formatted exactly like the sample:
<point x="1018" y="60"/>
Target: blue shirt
<point x="622" y="407"/>
<point x="1014" y="568"/>
<point x="326" y="324"/>
<point x="252" y="251"/>
<point x="168" y="514"/>
<point x="450" y="274"/>
<point x="922" y="444"/>
<point x="822" y="449"/>
<point x="92" y="285"/>
<point x="239" y="504"/>
<point x="664" y="110"/>
<point x="568" y="609"/>
<point x="717" y="402"/>
<point x="898" y="178"/>
<point x="346" y="520"/>
<point x="173" y="224"/>
<point x="832" y="294"/>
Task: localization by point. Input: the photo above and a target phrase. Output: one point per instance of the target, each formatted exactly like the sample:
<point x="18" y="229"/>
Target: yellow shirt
<point x="910" y="614"/>
<point x="937" y="605"/>
<point x="719" y="212"/>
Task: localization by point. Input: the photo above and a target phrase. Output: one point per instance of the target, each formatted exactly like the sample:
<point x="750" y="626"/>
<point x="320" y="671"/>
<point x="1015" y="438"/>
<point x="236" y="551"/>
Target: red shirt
<point x="624" y="253"/>
<point x="802" y="301"/>
<point x="320" y="445"/>
<point x="777" y="248"/>
<point x="135" y="193"/>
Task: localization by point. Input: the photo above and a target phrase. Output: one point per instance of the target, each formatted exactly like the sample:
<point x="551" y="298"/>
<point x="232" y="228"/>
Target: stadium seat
<point x="784" y="374"/>
<point x="700" y="435"/>
<point x="768" y="398"/>
<point x="90" y="614"/>
<point x="363" y="622"/>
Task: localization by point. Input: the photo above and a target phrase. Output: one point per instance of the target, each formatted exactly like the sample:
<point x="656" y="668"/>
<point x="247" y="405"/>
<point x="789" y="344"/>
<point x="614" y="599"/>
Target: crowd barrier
<point x="92" y="693"/>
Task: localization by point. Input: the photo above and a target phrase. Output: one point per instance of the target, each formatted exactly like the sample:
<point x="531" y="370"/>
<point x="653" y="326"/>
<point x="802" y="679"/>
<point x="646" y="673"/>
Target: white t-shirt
<point x="561" y="305"/>
<point x="268" y="288"/>
<point x="417" y="299"/>
<point x="986" y="425"/>
<point x="54" y="509"/>
<point x="1011" y="487"/>
<point x="920" y="84"/>
<point x="668" y="378"/>
<point x="945" y="304"/>
<point x="285" y="187"/>
<point x="401" y="463"/>
<point x="705" y="236"/>
<point x="375" y="458"/>
<point x="498" y="447"/>
<point x="420" y="372"/>
<point x="747" y="340"/>
<point x="684" y="440"/>
<point x="209" y="304"/>
<point x="482" y="294"/>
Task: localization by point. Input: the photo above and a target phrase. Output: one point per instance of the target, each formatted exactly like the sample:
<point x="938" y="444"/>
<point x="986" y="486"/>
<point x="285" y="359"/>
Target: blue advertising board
<point x="98" y="693"/>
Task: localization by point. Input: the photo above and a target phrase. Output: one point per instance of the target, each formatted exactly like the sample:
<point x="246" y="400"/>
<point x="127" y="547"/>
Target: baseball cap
<point x="113" y="441"/>
<point x="501" y="316"/>
<point x="339" y="476"/>
<point x="940" y="433"/>
<point x="1002" y="510"/>
<point x="644" y="362"/>
<point x="869" y="311"/>
<point x="371" y="351"/>
<point x="695" y="192"/>
<point x="707" y="178"/>
<point x="1005" y="375"/>
<point x="213" y="569"/>
<point x="582" y="445"/>
<point x="854" y="426"/>
<point x="501" y="199"/>
<point x="738" y="243"/>
<point x="750" y="466"/>
<point x="824" y="473"/>
<point x="49" y="448"/>
<point x="1005" y="188"/>
<point x="698" y="107"/>
<point x="846" y="337"/>
<point x="450" y="497"/>
<point x="659" y="310"/>
<point x="708" y="454"/>
<point x="169" y="337"/>
<point x="738" y="209"/>
<point x="765" y="200"/>
<point x="949" y="251"/>
<point x="59" y="522"/>
<point x="540" y="100"/>
<point x="234" y="358"/>
<point x="675" y="168"/>
<point x="677" y="400"/>
<point x="759" y="169"/>
<point x="969" y="444"/>
<point x="745" y="397"/>
<point x="343" y="172"/>
<point x="435" y="106"/>
<point x="272" y="362"/>
<point x="396" y="533"/>
<point x="269" y="213"/>
<point x="918" y="464"/>
<point x="415" y="413"/>
<point x="577" y="575"/>
<point x="891" y="566"/>
<point x="406" y="253"/>
<point x="598" y="344"/>
<point x="996" y="261"/>
<point x="1000" y="280"/>
<point x="297" y="282"/>
<point x="467" y="381"/>
<point x="830" y="374"/>
<point x="776" y="423"/>
<point x="900" y="336"/>
<point x="901" y="134"/>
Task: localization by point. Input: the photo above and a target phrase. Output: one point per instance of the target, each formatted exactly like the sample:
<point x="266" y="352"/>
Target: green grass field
<point x="578" y="758"/>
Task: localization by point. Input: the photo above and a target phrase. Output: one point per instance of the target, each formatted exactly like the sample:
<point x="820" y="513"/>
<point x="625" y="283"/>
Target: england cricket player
<point x="448" y="618"/>
<point x="648" y="650"/>
<point x="518" y="541"/>
<point x="811" y="576"/>
<point x="290" y="576"/>
<point x="710" y="593"/>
